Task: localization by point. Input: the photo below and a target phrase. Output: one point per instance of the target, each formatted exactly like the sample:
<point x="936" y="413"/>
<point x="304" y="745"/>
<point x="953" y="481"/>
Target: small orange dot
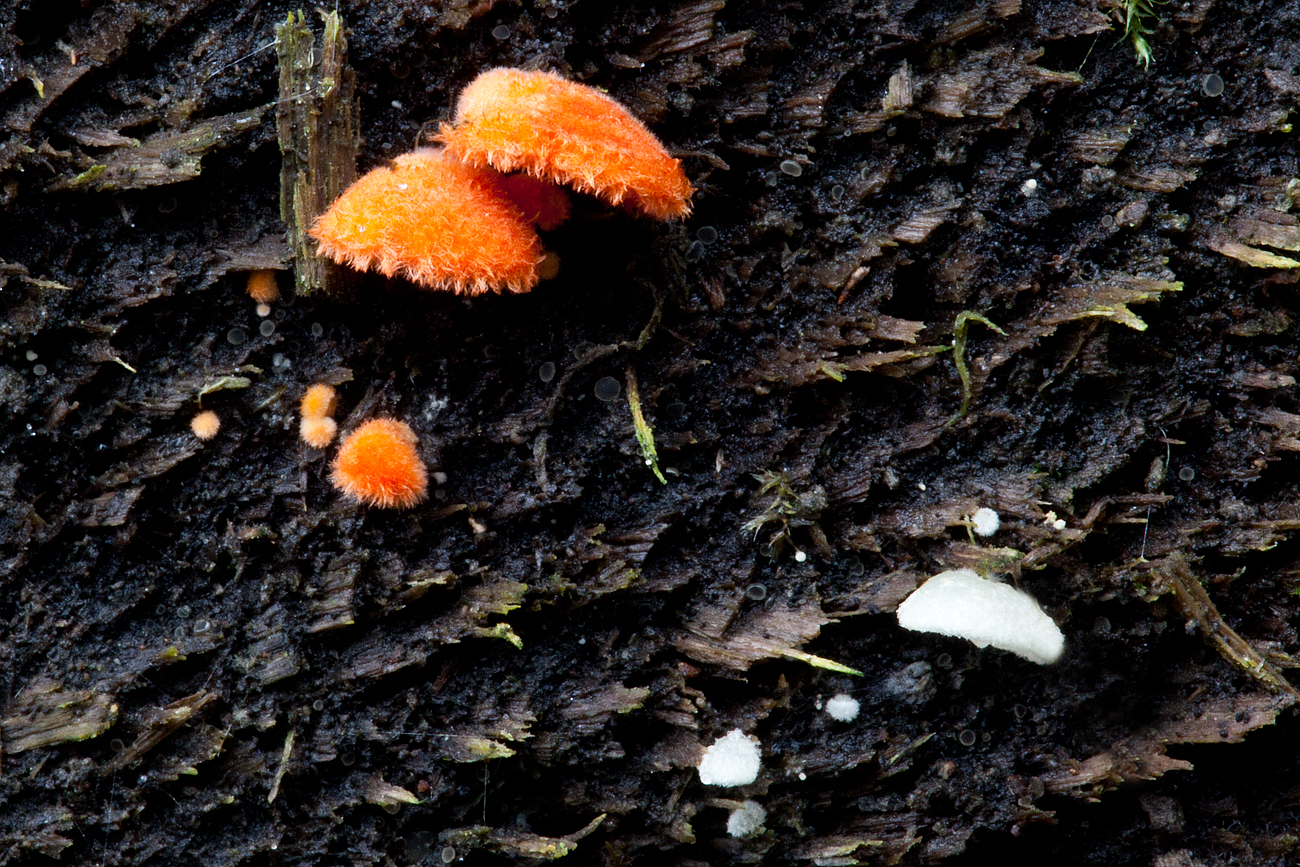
<point x="205" y="424"/>
<point x="317" y="431"/>
<point x="262" y="287"/>
<point x="319" y="400"/>
<point x="377" y="465"/>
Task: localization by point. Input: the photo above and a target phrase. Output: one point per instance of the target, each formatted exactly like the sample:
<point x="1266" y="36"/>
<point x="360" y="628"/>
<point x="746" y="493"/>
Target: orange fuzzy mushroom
<point x="318" y="401"/>
<point x="537" y="122"/>
<point x="434" y="221"/>
<point x="378" y="465"/>
<point x="262" y="287"/>
<point x="205" y="424"/>
<point x="317" y="431"/>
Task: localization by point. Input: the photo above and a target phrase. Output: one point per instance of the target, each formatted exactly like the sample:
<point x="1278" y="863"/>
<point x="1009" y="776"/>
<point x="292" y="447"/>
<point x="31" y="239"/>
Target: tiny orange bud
<point x="319" y="400"/>
<point x="377" y="465"/>
<point x="434" y="221"/>
<point x="537" y="122"/>
<point x="262" y="287"/>
<point x="317" y="431"/>
<point x="205" y="424"/>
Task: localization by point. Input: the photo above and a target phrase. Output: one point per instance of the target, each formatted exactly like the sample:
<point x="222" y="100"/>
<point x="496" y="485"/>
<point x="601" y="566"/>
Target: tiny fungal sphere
<point x="756" y="592"/>
<point x="501" y="32"/>
<point x="707" y="235"/>
<point x="205" y="424"/>
<point x="236" y="336"/>
<point x="262" y="287"/>
<point x="800" y="556"/>
<point x="317" y="329"/>
<point x="607" y="389"/>
<point x="515" y="120"/>
<point x="547" y="371"/>
<point x="843" y="708"/>
<point x="747" y="820"/>
<point x="448" y="854"/>
<point x="967" y="738"/>
<point x="263" y="310"/>
<point x="318" y="400"/>
<point x="985" y="522"/>
<point x="1212" y="85"/>
<point x="40" y="369"/>
<point x="317" y="431"/>
<point x="377" y="465"/>
<point x="1187" y="474"/>
<point x="267" y="328"/>
<point x="733" y="760"/>
<point x="695" y="252"/>
<point x="791" y="168"/>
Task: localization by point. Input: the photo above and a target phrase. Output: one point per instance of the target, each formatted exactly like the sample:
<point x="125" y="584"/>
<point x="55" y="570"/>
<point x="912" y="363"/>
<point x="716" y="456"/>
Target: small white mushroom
<point x="747" y="820"/>
<point x="962" y="604"/>
<point x="985" y="521"/>
<point x="733" y="760"/>
<point x="843" y="708"/>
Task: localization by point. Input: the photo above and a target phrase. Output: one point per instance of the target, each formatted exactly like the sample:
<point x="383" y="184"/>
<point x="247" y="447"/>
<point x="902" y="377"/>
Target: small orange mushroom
<point x="434" y="221"/>
<point x="262" y="287"/>
<point x="377" y="465"/>
<point x="317" y="431"/>
<point x="205" y="424"/>
<point x="537" y="122"/>
<point x="319" y="400"/>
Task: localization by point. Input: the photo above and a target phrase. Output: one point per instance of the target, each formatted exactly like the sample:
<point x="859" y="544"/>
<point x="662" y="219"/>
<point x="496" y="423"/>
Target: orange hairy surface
<point x="542" y="124"/>
<point x="378" y="465"/>
<point x="434" y="221"/>
<point x="317" y="431"/>
<point x="262" y="287"/>
<point x="205" y="424"/>
<point x="319" y="400"/>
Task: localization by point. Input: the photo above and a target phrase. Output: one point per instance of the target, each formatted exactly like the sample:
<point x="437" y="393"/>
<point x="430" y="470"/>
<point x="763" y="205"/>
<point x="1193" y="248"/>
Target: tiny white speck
<point x="843" y="708"/>
<point x="800" y="556"/>
<point x="985" y="521"/>
<point x="1028" y="188"/>
<point x="920" y="486"/>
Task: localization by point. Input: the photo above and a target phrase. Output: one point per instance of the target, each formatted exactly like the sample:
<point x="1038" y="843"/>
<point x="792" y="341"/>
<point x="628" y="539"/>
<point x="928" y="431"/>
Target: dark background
<point x="208" y="655"/>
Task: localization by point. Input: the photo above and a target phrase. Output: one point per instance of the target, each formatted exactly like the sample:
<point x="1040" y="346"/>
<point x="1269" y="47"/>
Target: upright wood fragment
<point x="316" y="121"/>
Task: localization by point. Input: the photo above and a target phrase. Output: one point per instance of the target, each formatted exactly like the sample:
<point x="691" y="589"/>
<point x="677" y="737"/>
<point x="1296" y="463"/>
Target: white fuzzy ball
<point x="733" y="760"/>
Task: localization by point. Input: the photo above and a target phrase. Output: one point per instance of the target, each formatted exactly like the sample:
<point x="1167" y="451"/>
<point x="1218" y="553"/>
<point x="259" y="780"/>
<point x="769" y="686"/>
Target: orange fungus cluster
<point x="378" y="465"/>
<point x="317" y="427"/>
<point x="454" y="218"/>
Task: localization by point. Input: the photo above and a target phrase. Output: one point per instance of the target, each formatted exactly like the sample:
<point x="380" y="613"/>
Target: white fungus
<point x="962" y="604"/>
<point x="842" y="707"/>
<point x="985" y="521"/>
<point x="747" y="820"/>
<point x="733" y="760"/>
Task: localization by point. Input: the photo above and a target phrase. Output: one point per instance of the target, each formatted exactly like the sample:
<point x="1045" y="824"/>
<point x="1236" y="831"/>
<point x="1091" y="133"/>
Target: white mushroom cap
<point x="962" y="604"/>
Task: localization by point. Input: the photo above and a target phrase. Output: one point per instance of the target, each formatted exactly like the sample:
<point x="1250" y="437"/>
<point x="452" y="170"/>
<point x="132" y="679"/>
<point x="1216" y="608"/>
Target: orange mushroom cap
<point x="318" y="400"/>
<point x="434" y="221"/>
<point x="542" y="124"/>
<point x="378" y="465"/>
<point x="205" y="424"/>
<point x="317" y="431"/>
<point x="262" y="286"/>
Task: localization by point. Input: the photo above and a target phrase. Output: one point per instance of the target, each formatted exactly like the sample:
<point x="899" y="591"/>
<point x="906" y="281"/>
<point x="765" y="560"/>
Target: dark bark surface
<point x="209" y="655"/>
